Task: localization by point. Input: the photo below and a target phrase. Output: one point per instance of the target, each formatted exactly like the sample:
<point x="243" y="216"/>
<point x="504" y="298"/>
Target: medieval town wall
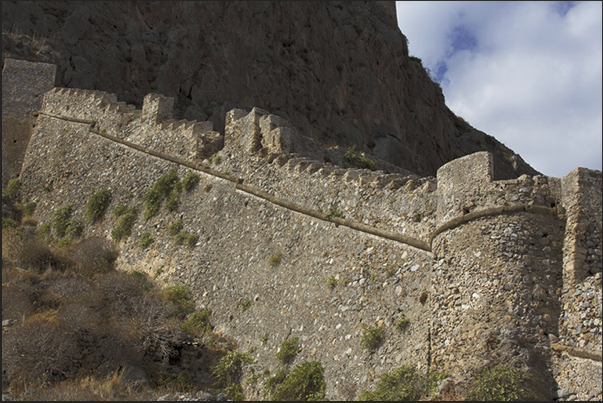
<point x="486" y="270"/>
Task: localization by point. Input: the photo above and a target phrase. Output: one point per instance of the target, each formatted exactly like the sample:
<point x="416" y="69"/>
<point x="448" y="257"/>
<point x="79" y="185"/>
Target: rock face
<point x="338" y="71"/>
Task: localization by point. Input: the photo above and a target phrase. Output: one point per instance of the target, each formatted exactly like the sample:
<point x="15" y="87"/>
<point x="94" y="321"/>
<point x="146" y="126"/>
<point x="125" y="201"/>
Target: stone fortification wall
<point x="23" y="84"/>
<point x="378" y="280"/>
<point x="480" y="267"/>
<point x="286" y="166"/>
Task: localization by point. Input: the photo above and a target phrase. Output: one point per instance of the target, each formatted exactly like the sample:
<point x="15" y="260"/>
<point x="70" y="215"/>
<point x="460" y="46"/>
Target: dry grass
<point x="65" y="299"/>
<point x="29" y="221"/>
<point x="91" y="388"/>
<point x="15" y="304"/>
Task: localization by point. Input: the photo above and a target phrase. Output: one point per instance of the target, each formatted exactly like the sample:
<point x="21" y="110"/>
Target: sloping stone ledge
<point x="417" y="243"/>
<point x="490" y="211"/>
<point x="577" y="351"/>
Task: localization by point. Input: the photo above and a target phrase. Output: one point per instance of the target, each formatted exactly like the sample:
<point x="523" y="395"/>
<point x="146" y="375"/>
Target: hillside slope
<point x="339" y="71"/>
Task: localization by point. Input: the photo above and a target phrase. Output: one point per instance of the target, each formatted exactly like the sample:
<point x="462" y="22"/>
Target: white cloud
<point x="523" y="72"/>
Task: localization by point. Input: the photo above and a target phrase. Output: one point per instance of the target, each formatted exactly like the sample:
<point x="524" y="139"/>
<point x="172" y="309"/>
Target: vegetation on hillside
<point x="77" y="327"/>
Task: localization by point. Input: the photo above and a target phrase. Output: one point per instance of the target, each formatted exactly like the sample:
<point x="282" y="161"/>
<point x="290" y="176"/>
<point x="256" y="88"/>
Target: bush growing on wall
<point x="97" y="204"/>
<point x="13" y="187"/>
<point x="198" y="322"/>
<point x="404" y="384"/>
<point x="60" y="220"/>
<point x="167" y="187"/>
<point x="288" y="350"/>
<point x="126" y="217"/>
<point x="227" y="372"/>
<point x="181" y="296"/>
<point x="372" y="337"/>
<point x="189" y="181"/>
<point x="499" y="383"/>
<point x="305" y="382"/>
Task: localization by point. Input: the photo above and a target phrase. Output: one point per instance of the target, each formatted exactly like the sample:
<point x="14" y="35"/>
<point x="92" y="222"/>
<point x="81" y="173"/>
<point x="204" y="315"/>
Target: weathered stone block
<point x="156" y="108"/>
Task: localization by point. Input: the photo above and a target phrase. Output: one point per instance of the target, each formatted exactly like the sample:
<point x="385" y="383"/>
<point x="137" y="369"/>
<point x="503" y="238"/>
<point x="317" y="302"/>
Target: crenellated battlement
<point x="152" y="127"/>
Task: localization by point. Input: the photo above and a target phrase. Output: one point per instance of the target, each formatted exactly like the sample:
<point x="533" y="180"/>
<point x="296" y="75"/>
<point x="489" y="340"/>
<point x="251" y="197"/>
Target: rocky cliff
<point x="339" y="71"/>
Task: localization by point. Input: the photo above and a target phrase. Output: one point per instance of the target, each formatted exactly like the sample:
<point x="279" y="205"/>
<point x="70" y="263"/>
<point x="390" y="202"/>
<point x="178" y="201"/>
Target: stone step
<point x="352" y="175"/>
<point x="297" y="164"/>
<point x="326" y="170"/>
<point x="313" y="167"/>
<point x="282" y="159"/>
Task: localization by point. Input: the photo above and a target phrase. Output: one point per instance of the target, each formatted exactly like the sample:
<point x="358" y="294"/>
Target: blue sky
<point x="527" y="73"/>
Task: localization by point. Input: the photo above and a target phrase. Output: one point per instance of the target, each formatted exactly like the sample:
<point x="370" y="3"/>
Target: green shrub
<point x="332" y="282"/>
<point x="331" y="214"/>
<point x="191" y="240"/>
<point x="120" y="210"/>
<point x="47" y="188"/>
<point x="272" y="382"/>
<point x="162" y="189"/>
<point x="126" y="217"/>
<point x="403" y="385"/>
<point x="158" y="272"/>
<point x="175" y="227"/>
<point x="275" y="259"/>
<point x="305" y="382"/>
<point x="264" y="339"/>
<point x="198" y="322"/>
<point x="181" y="382"/>
<point x="234" y="392"/>
<point x="29" y="208"/>
<point x="180" y="237"/>
<point x="146" y="239"/>
<point x="216" y="159"/>
<point x="228" y="370"/>
<point x="64" y="243"/>
<point x="8" y="222"/>
<point x="165" y="184"/>
<point x="500" y="383"/>
<point x="13" y="187"/>
<point x="189" y="181"/>
<point x="372" y="337"/>
<point x="152" y="200"/>
<point x="180" y="296"/>
<point x="173" y="202"/>
<point x="74" y="229"/>
<point x="356" y="159"/>
<point x="245" y="305"/>
<point x="402" y="323"/>
<point x="61" y="219"/>
<point x="97" y="204"/>
<point x="43" y="229"/>
<point x="288" y="350"/>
